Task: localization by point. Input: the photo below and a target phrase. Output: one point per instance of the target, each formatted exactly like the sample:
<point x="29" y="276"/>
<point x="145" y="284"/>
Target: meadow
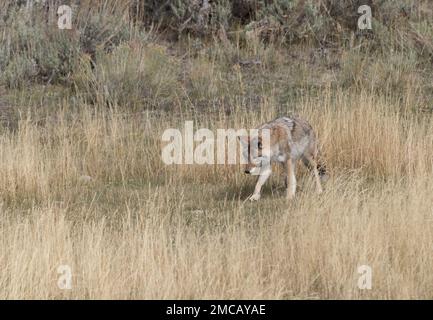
<point x="82" y="182"/>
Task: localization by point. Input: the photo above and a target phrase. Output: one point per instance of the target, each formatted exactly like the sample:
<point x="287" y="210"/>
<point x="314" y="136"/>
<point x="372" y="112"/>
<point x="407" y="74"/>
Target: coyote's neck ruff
<point x="288" y="140"/>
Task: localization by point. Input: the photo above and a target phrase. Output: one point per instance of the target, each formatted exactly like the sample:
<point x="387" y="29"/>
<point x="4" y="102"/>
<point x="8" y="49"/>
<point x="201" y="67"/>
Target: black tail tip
<point x="322" y="169"/>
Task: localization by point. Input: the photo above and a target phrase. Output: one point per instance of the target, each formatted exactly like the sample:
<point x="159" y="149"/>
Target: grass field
<point x="82" y="182"/>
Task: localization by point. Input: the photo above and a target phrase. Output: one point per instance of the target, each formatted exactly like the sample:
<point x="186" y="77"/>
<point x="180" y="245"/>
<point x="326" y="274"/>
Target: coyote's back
<point x="293" y="136"/>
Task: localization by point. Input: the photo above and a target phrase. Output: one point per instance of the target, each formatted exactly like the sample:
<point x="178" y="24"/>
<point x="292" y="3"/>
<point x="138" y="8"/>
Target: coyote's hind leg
<point x="311" y="164"/>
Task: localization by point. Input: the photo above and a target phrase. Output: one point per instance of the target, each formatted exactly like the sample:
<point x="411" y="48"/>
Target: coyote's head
<point x="255" y="151"/>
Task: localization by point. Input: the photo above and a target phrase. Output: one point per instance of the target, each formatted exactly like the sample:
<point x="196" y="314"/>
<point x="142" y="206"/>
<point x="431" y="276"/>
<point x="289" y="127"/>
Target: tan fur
<point x="291" y="139"/>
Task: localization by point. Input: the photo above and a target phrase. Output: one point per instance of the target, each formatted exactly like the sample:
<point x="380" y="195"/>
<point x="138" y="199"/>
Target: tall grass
<point x="82" y="182"/>
<point x="140" y="229"/>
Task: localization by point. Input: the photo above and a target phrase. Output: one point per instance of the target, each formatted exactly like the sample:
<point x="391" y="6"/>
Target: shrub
<point x="19" y="72"/>
<point x="55" y="53"/>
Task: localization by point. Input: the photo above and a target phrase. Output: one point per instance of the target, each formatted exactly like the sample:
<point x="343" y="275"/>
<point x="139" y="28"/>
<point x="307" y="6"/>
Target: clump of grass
<point x="19" y="72"/>
<point x="205" y="80"/>
<point x="395" y="72"/>
<point x="130" y="77"/>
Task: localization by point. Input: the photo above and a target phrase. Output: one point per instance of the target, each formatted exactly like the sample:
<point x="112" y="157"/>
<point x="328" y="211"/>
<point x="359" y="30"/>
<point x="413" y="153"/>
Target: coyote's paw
<point x="255" y="197"/>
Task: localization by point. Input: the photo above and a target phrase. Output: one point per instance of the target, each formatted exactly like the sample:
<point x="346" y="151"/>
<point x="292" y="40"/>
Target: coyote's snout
<point x="287" y="140"/>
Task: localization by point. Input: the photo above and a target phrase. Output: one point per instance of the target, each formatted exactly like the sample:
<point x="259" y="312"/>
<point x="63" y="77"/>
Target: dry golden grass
<point x="82" y="182"/>
<point x="141" y="229"/>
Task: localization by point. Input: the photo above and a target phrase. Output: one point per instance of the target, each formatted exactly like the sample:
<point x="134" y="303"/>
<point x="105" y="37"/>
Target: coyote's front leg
<point x="291" y="177"/>
<point x="264" y="175"/>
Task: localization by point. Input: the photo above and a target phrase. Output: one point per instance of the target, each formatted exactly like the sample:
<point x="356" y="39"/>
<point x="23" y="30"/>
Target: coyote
<point x="290" y="139"/>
